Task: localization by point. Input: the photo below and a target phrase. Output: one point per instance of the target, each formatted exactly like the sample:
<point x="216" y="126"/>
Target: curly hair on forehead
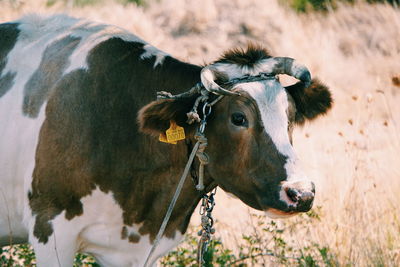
<point x="248" y="56"/>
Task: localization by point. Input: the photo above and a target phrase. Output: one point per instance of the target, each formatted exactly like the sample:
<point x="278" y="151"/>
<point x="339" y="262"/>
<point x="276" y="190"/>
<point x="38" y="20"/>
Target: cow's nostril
<point x="293" y="194"/>
<point x="298" y="196"/>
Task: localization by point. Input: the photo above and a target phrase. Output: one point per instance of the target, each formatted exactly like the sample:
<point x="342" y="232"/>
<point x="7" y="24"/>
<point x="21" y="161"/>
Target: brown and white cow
<point x="81" y="169"/>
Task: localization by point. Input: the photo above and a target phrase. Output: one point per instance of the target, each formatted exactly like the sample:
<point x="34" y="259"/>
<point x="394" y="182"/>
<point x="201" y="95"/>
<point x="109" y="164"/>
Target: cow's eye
<point x="239" y="119"/>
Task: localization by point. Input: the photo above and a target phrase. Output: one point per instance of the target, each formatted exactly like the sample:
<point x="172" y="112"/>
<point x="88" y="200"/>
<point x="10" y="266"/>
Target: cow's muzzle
<point x="298" y="196"/>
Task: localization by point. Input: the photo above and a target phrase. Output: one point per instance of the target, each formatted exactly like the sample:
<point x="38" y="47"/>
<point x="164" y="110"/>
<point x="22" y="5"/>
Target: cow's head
<point x="250" y="133"/>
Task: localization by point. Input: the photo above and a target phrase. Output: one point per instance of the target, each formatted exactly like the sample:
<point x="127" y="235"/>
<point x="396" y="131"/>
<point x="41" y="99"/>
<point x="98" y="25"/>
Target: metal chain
<point x="207" y="222"/>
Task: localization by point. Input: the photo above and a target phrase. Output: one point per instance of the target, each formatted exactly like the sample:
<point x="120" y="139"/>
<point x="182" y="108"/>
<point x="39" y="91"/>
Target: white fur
<point x="298" y="69"/>
<point x="90" y="37"/>
<point x="284" y="197"/>
<point x="38" y="32"/>
<point x="98" y="232"/>
<point x="262" y="66"/>
<point x="19" y="136"/>
<point x="272" y="102"/>
<point x="235" y="71"/>
<point x="152" y="51"/>
<point x="278" y="215"/>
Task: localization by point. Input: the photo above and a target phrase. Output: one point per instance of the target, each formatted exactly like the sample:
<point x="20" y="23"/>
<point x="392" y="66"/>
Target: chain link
<point x="207" y="222"/>
<point x="206" y="112"/>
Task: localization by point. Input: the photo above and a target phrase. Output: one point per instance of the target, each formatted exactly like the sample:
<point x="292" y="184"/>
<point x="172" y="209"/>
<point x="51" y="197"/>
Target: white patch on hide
<point x="38" y="32"/>
<point x="272" y="102"/>
<point x="236" y="71"/>
<point x="285" y="198"/>
<point x="98" y="232"/>
<point x="278" y="215"/>
<point x="19" y="135"/>
<point x="151" y="51"/>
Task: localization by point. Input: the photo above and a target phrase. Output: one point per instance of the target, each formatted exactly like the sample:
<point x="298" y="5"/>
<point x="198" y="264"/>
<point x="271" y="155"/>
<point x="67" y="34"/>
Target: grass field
<point x="352" y="154"/>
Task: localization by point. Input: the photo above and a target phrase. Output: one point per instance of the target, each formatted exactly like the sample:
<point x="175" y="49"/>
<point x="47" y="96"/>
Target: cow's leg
<point x="54" y="254"/>
<point x="61" y="245"/>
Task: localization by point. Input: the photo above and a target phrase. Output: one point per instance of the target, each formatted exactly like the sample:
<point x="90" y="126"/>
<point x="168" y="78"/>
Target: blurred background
<point x="352" y="154"/>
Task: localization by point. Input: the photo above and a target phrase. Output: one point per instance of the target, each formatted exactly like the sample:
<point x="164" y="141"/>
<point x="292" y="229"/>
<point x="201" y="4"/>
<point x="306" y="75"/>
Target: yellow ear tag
<point x="173" y="134"/>
<point x="163" y="138"/>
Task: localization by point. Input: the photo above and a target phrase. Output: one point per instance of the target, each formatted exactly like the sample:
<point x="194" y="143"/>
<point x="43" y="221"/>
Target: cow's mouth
<point x="279" y="214"/>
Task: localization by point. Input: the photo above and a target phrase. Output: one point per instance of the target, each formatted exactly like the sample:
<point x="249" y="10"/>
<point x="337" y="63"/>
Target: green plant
<point x="85" y="260"/>
<point x="138" y="2"/>
<point x="267" y="244"/>
<point x="23" y="256"/>
<point x="17" y="256"/>
<point x="303" y="6"/>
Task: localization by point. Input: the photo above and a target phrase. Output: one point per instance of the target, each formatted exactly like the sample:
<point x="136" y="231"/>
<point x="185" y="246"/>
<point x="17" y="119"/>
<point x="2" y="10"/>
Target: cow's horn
<point x="208" y="77"/>
<point x="289" y="66"/>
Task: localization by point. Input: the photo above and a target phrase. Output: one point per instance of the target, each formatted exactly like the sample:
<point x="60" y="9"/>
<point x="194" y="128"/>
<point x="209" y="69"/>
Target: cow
<point x="81" y="165"/>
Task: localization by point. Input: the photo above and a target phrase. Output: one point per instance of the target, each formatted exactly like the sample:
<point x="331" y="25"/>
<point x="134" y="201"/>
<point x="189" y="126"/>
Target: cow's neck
<point x="159" y="166"/>
<point x="160" y="182"/>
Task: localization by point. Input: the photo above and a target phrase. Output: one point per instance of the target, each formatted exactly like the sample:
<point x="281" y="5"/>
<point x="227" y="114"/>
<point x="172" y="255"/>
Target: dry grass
<point x="352" y="154"/>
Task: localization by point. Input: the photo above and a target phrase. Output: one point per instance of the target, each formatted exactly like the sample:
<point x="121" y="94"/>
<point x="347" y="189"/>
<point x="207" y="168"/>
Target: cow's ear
<point x="155" y="117"/>
<point x="310" y="101"/>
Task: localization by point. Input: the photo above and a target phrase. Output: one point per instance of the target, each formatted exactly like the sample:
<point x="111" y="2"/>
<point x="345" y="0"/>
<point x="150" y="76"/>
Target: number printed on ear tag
<point x="173" y="134"/>
<point x="163" y="138"/>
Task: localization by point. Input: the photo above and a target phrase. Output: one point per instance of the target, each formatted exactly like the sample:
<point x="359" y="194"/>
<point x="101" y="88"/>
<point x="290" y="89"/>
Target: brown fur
<point x="155" y="117"/>
<point x="244" y="57"/>
<point x="312" y="101"/>
<point x="396" y="80"/>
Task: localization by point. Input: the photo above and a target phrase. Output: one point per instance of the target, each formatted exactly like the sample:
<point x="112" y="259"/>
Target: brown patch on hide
<point x="133" y="237"/>
<point x="124" y="233"/>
